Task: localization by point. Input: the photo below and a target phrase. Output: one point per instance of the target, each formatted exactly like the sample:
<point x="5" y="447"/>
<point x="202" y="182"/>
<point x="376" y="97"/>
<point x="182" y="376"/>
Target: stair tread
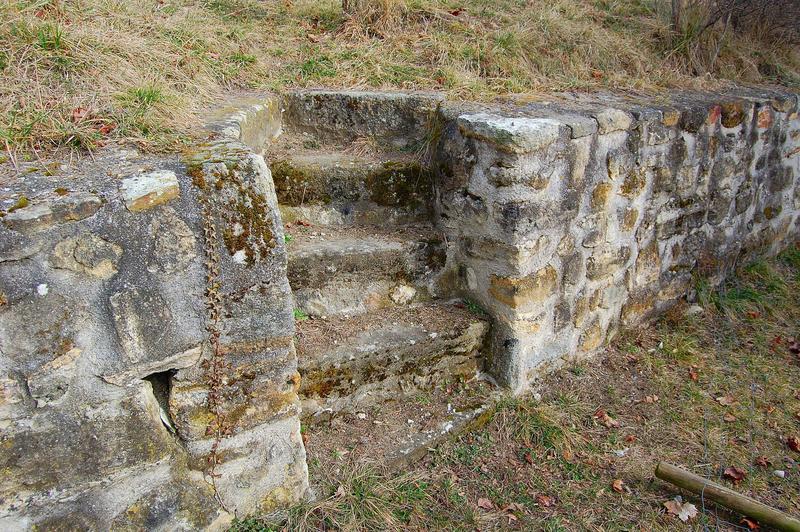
<point x="404" y="324"/>
<point x="357" y="269"/>
<point x="359" y="238"/>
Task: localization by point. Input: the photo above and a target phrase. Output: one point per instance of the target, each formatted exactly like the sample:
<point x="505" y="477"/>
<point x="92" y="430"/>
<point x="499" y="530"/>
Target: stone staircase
<point x="390" y="361"/>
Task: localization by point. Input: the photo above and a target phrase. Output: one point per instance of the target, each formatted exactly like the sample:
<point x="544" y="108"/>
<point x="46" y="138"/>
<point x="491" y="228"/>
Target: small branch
<point x="727" y="497"/>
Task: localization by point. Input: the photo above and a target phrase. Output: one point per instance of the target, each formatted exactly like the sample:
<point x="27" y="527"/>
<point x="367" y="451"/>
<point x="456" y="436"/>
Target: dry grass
<point x="147" y="68"/>
<point x="549" y="464"/>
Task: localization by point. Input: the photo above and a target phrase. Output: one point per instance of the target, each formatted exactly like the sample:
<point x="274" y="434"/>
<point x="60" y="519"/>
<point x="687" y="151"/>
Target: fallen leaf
<point x="486" y="504"/>
<point x="749" y="523"/>
<point x="734" y="474"/>
<point x="79" y="113"/>
<point x="729" y="417"/>
<point x="794" y="443"/>
<point x="607" y="420"/>
<point x="726" y="400"/>
<point x="513" y="507"/>
<point x="105" y="129"/>
<point x="683" y="511"/>
<point x="763" y="461"/>
<point x="529" y="458"/>
<point x="618" y="486"/>
<point x="794" y="347"/>
<point x="545" y="500"/>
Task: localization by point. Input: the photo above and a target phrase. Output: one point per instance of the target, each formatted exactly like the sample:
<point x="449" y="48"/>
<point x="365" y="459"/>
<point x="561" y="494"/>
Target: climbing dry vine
<point x="214" y="366"/>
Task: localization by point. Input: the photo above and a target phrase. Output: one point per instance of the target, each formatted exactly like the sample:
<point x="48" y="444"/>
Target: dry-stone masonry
<point x="148" y="372"/>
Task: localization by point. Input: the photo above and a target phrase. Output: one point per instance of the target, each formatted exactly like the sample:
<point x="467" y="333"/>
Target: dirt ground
<point x="713" y="388"/>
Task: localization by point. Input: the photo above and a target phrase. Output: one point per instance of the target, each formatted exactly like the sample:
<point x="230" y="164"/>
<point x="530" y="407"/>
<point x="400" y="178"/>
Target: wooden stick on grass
<point x="727" y="497"/>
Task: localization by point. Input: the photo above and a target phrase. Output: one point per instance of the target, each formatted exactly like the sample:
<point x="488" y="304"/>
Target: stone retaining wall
<point x="147" y="371"/>
<point x="570" y="219"/>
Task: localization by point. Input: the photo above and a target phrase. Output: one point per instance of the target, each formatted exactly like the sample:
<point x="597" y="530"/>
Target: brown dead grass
<point x="148" y="69"/>
<point x="548" y="463"/>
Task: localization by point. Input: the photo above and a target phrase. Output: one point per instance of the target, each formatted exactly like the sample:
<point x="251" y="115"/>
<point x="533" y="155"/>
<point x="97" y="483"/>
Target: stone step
<point x="349" y="364"/>
<point x="333" y="187"/>
<point x="399" y="432"/>
<point x="340" y="270"/>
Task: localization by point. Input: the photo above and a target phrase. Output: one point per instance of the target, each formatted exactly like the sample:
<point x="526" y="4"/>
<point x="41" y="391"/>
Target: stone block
<point x="88" y="254"/>
<point x="592" y="338"/>
<point x="526" y="291"/>
<point x="733" y="114"/>
<point x="43" y="214"/>
<point x="50" y="382"/>
<point x="606" y="261"/>
<point x="514" y="135"/>
<point x="629" y="218"/>
<point x="610" y="120"/>
<point x="174" y="243"/>
<point x="634" y="183"/>
<point x="601" y="195"/>
<point x="150" y="189"/>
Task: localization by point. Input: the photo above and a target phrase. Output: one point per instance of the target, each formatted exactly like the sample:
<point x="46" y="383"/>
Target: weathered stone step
<point x="351" y="364"/>
<point x="404" y="430"/>
<point x="354" y="270"/>
<point x="328" y="187"/>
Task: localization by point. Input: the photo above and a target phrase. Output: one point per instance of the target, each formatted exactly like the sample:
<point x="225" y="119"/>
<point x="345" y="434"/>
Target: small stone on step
<point x="403" y="294"/>
<point x="693" y="310"/>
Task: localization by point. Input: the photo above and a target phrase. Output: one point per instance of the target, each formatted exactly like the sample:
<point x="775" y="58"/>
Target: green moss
<point x="633" y="184"/>
<point x="295" y="186"/>
<point x="21" y="203"/>
<point x="400" y="184"/>
<point x="321" y="382"/>
<point x="195" y="171"/>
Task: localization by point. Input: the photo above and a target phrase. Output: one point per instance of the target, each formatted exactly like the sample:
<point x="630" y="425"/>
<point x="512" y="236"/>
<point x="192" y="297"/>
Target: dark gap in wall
<point x="161" y="384"/>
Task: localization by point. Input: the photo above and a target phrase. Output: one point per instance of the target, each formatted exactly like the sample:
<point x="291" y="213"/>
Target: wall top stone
<point x="515" y="135"/>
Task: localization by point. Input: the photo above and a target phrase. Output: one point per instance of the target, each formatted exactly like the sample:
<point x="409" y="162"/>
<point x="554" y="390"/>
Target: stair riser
<point x="355" y="297"/>
<point x="359" y="278"/>
<point x="346" y="381"/>
<point x="350" y="214"/>
<point x="400" y="185"/>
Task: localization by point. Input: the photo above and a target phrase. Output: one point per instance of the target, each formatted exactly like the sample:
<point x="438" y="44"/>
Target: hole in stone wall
<point x="161" y="384"/>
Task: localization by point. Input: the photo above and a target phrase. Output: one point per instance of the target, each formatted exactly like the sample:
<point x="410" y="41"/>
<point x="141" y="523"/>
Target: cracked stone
<point x="87" y="253"/>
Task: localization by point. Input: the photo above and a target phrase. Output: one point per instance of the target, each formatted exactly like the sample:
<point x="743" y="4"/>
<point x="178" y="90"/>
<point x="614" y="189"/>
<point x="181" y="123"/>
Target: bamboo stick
<point x="727" y="497"/>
